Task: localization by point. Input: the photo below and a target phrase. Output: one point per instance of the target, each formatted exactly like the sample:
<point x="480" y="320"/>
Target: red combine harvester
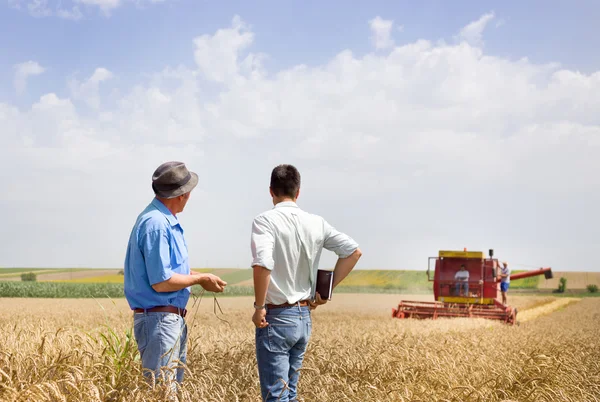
<point x="478" y="298"/>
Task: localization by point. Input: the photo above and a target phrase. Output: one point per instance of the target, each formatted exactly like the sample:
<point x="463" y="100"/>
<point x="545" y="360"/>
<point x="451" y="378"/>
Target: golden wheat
<point x="77" y="350"/>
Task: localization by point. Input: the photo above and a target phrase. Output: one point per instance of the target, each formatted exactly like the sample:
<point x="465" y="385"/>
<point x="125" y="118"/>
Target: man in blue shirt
<point x="158" y="279"/>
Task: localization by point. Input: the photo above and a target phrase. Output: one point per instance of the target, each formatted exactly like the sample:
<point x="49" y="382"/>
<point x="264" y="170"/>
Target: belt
<point x="301" y="303"/>
<point x="163" y="309"/>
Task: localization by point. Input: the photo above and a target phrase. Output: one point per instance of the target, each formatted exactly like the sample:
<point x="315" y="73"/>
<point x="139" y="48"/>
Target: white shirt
<point x="505" y="271"/>
<point x="288" y="241"/>
<point x="462" y="275"/>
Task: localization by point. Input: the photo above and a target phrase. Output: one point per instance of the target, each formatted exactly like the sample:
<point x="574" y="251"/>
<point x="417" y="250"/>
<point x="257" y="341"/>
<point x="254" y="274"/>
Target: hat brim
<point x="186" y="188"/>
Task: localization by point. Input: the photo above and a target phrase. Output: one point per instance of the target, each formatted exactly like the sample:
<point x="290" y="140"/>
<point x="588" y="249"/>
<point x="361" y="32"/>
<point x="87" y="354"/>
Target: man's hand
<point x="318" y="301"/>
<point x="212" y="283"/>
<point x="259" y="318"/>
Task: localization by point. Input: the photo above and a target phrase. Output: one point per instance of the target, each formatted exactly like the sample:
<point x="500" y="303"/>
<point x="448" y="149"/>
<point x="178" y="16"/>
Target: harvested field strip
<point x="545" y="309"/>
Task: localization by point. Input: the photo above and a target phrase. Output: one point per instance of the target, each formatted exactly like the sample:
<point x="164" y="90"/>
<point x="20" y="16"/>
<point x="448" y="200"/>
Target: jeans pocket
<point x="169" y="320"/>
<point x="171" y="331"/>
<point x="140" y="332"/>
<point x="282" y="334"/>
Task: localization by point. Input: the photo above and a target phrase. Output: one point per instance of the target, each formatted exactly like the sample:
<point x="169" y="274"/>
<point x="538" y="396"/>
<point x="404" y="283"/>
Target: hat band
<point x="172" y="186"/>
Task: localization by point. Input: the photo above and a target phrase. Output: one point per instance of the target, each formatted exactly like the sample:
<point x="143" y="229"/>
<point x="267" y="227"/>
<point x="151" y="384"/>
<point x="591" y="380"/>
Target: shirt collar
<point x="286" y="204"/>
<point x="165" y="211"/>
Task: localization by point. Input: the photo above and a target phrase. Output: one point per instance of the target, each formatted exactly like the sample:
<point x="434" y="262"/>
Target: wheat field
<point x="78" y="350"/>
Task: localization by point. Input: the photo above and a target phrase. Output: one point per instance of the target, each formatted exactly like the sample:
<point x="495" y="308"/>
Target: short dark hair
<point x="285" y="181"/>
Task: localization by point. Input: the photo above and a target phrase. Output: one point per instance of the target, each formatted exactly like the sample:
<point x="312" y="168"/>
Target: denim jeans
<point x="280" y="348"/>
<point x="162" y="342"/>
<point x="464" y="286"/>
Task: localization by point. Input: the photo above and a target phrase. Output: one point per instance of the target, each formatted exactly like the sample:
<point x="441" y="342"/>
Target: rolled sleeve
<point x="341" y="244"/>
<point x="157" y="255"/>
<point x="262" y="243"/>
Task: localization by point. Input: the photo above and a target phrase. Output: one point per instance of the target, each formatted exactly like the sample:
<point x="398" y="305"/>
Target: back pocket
<point x="282" y="333"/>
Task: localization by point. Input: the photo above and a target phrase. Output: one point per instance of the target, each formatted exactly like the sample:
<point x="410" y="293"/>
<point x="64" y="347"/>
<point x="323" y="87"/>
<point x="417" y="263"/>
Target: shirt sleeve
<point x="341" y="244"/>
<point x="157" y="255"/>
<point x="262" y="243"/>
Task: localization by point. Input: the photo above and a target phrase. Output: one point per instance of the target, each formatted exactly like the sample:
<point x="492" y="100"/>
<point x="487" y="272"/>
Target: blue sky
<point x="418" y="126"/>
<point x="145" y="38"/>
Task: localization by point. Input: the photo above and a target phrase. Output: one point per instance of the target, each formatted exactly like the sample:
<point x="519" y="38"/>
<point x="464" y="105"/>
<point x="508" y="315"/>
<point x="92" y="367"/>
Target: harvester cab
<point x="465" y="284"/>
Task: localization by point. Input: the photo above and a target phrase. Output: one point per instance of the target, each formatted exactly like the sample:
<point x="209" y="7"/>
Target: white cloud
<point x="472" y="33"/>
<point x="56" y="8"/>
<point x="23" y="71"/>
<point x="426" y="146"/>
<point x="39" y="8"/>
<point x="46" y="8"/>
<point x="105" y="5"/>
<point x="74" y="14"/>
<point x="88" y="91"/>
<point x="16" y="4"/>
<point x="381" y="32"/>
<point x="219" y="58"/>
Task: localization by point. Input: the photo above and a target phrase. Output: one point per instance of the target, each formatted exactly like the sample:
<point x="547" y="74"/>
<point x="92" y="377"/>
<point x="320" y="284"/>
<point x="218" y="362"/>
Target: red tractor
<point x="465" y="295"/>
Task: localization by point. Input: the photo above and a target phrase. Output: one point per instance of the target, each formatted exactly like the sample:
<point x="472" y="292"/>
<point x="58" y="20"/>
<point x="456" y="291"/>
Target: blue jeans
<point x="162" y="342"/>
<point x="464" y="286"/>
<point x="280" y="351"/>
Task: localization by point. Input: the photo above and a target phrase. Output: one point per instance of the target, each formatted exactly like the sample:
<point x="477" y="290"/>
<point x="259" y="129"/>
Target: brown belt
<point x="163" y="309"/>
<point x="302" y="303"/>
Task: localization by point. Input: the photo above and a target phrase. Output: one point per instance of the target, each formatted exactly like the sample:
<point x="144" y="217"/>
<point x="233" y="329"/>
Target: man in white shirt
<point x="462" y="281"/>
<point x="286" y="245"/>
<point x="504" y="281"/>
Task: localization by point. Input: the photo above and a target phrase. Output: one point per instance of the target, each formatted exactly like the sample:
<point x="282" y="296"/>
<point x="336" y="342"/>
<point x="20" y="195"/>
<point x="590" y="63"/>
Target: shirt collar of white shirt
<point x="286" y="204"/>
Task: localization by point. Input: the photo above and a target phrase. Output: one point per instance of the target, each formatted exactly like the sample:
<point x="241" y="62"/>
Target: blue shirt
<point x="156" y="250"/>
